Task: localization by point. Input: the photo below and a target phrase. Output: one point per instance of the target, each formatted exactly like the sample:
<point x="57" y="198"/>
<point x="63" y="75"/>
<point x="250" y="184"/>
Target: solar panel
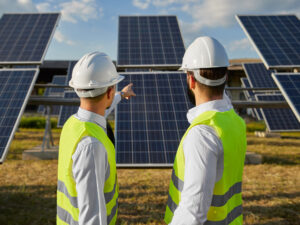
<point x="70" y="70"/>
<point x="149" y="41"/>
<point x="67" y="111"/>
<point x="251" y="97"/>
<point x="258" y="75"/>
<point x="149" y="126"/>
<point x="54" y="92"/>
<point x="25" y="37"/>
<point x="16" y="86"/>
<point x="289" y="84"/>
<point x="59" y="80"/>
<point x="281" y="119"/>
<point x="275" y="38"/>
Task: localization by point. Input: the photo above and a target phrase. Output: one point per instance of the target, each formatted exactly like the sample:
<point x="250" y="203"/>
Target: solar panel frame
<point x="47" y="45"/>
<point x="268" y="65"/>
<point x="251" y="96"/>
<point x="54" y="92"/>
<point x="150" y="164"/>
<point x="22" y="109"/>
<point x="153" y="65"/>
<point x="287" y="97"/>
<point x="276" y="114"/>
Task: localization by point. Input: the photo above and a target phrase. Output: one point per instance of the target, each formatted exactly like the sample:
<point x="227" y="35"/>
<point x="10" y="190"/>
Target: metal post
<point x="48" y="138"/>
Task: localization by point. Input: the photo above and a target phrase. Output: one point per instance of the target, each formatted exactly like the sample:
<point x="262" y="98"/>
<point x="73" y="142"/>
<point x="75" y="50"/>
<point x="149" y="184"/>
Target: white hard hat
<point x="205" y="53"/>
<point x="94" y="71"/>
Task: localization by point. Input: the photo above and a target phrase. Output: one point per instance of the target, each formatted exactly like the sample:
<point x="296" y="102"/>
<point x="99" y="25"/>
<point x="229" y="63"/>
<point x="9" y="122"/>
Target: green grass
<point x="271" y="191"/>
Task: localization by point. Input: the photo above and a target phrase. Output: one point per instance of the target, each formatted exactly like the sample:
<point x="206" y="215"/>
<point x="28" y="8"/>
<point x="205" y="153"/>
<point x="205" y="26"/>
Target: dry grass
<point x="271" y="190"/>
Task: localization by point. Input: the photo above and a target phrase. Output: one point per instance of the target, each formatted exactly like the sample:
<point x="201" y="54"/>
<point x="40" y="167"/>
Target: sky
<point x="92" y="25"/>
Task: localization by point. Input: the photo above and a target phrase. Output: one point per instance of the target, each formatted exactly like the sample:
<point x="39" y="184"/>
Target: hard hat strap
<point x="206" y="81"/>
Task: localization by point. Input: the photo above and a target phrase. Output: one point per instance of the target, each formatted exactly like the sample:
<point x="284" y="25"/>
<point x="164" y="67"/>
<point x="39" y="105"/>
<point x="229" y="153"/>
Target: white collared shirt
<point x="89" y="167"/>
<point x="203" y="152"/>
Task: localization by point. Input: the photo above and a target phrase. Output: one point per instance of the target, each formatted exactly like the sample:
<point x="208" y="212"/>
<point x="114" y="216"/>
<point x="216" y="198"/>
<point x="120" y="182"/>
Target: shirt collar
<point x="91" y="117"/>
<point x="217" y="105"/>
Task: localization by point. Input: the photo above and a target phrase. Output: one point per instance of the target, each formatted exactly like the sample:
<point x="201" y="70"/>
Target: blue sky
<point x="89" y="25"/>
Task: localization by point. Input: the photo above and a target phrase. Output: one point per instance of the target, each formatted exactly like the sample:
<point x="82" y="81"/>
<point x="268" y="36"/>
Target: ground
<point x="271" y="191"/>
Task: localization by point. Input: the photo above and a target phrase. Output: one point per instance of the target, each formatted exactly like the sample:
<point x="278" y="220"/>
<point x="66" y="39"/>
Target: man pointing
<point x="87" y="189"/>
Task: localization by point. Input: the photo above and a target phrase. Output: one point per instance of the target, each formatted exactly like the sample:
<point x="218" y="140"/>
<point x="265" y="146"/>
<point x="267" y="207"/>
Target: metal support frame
<point x="48" y="138"/>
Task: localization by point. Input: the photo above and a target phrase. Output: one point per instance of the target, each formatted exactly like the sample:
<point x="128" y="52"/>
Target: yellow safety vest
<point x="67" y="208"/>
<point x="226" y="205"/>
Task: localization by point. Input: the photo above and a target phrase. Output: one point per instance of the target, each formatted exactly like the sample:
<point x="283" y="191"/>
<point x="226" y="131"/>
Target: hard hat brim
<point x="97" y="85"/>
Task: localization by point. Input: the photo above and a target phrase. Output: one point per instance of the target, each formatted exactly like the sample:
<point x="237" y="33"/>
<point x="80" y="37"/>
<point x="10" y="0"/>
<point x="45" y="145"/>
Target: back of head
<point x="93" y="74"/>
<point x="207" y="59"/>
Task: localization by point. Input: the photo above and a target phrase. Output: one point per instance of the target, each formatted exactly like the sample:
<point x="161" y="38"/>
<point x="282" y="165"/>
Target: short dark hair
<point x="213" y="74"/>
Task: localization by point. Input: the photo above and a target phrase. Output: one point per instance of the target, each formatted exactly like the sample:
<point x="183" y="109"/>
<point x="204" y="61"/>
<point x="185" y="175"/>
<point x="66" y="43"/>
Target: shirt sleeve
<point x="201" y="149"/>
<point x="115" y="102"/>
<point x="89" y="169"/>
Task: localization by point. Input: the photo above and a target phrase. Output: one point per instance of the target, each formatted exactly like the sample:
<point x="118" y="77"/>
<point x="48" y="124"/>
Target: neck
<point x="202" y="98"/>
<point x="95" y="108"/>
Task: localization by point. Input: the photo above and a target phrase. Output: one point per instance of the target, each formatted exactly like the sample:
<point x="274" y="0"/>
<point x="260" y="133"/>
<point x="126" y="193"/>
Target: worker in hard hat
<point x="87" y="190"/>
<point x="206" y="181"/>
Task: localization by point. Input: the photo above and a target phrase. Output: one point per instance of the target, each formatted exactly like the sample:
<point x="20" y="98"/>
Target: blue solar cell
<point x="276" y="38"/>
<point x="24" y="38"/>
<point x="149" y="40"/>
<point x="152" y="118"/>
<point x="16" y="86"/>
<point x="289" y="84"/>
<point x="259" y="76"/>
<point x="278" y="120"/>
<point x="67" y="111"/>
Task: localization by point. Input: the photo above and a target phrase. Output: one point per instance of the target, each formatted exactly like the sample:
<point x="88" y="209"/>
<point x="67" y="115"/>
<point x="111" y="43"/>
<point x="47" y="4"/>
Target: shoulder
<point x="202" y="138"/>
<point x="87" y="145"/>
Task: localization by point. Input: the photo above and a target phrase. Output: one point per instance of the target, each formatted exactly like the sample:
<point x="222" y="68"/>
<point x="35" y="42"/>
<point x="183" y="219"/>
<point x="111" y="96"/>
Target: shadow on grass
<point x="277" y="195"/>
<point x="32" y="205"/>
<point x="280" y="159"/>
<point x="272" y="143"/>
<point x="289" y="214"/>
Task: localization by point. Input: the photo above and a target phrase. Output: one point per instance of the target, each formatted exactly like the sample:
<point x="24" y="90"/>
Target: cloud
<point x="141" y="4"/>
<point x="219" y="13"/>
<point x="7" y="6"/>
<point x="59" y="37"/>
<point x="243" y="44"/>
<point x="72" y="11"/>
<point x="44" y="7"/>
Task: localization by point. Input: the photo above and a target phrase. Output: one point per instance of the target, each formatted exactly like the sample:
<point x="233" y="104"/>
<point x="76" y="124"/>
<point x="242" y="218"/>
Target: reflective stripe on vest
<point x="67" y="205"/>
<point x="226" y="205"/>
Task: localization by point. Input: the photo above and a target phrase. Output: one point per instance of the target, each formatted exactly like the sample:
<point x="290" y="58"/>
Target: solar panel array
<point x="250" y="96"/>
<point x="67" y="111"/>
<point x="149" y="40"/>
<point x="150" y="125"/>
<point x="25" y="37"/>
<point x="258" y="75"/>
<point x="275" y="38"/>
<point x="281" y="119"/>
<point x="289" y="84"/>
<point x="15" y="88"/>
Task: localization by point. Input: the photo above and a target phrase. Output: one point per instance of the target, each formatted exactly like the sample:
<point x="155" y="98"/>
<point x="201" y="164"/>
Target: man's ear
<point x="192" y="82"/>
<point x="109" y="92"/>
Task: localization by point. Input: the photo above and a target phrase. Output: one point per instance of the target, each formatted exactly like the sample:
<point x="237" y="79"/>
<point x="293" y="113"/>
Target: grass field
<point x="271" y="191"/>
